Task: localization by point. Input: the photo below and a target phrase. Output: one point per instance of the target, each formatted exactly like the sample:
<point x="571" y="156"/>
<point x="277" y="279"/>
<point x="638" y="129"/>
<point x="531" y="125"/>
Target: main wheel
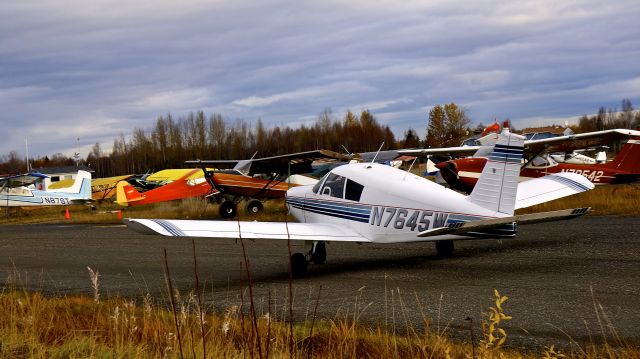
<point x="298" y="264"/>
<point x="254" y="206"/>
<point x="319" y="253"/>
<point x="444" y="248"/>
<point x="228" y="209"/>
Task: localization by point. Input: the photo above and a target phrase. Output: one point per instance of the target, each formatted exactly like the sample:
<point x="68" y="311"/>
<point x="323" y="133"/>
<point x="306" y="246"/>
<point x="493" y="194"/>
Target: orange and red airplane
<point x="187" y="186"/>
<point x="259" y="178"/>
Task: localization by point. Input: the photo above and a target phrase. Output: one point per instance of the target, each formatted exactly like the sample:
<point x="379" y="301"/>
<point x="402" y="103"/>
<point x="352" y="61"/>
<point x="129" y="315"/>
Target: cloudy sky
<point x="93" y="69"/>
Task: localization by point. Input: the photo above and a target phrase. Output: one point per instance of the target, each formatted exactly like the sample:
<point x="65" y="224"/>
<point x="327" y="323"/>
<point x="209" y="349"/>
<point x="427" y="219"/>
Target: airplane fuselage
<point x="385" y="204"/>
<point x="26" y="197"/>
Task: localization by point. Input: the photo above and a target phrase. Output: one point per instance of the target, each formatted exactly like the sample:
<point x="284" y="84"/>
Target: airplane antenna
<point x="346" y="149"/>
<point x="410" y="167"/>
<point x="254" y="155"/>
<point x="377" y="152"/>
<point x="26" y="145"/>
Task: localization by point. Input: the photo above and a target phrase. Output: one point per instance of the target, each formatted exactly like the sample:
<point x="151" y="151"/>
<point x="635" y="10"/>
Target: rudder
<point x="628" y="159"/>
<point x="497" y="186"/>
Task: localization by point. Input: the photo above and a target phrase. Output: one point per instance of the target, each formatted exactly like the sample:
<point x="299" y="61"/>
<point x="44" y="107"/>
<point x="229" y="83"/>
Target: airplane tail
<point x="81" y="185"/>
<point x="628" y="159"/>
<point x="126" y="193"/>
<point x="497" y="186"/>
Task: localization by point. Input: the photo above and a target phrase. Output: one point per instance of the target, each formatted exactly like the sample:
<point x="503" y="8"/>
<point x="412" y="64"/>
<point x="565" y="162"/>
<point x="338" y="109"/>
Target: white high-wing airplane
<point x="23" y="196"/>
<point x="374" y="203"/>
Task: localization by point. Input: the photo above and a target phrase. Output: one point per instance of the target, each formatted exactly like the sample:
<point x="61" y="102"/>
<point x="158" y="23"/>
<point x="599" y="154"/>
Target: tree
<point x="411" y="139"/>
<point x="448" y="126"/>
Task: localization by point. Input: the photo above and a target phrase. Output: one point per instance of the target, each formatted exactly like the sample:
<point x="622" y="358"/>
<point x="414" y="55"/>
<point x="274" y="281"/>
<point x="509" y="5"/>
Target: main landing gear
<point x="317" y="254"/>
<point x="444" y="248"/>
<point x="229" y="209"/>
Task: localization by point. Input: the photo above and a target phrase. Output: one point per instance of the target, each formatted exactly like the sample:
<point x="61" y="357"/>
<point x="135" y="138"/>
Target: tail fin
<point x="498" y="184"/>
<point x="126" y="193"/>
<point x="628" y="159"/>
<point x="81" y="185"/>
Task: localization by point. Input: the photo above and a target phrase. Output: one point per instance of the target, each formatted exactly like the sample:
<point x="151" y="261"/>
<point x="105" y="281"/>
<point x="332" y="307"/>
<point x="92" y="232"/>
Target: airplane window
<point x="333" y="186"/>
<point x="353" y="190"/>
<point x="316" y="187"/>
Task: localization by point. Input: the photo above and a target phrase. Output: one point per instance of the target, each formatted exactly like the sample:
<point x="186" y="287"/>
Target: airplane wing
<point x="293" y="163"/>
<point x="21" y="179"/>
<point x="461" y="150"/>
<point x="548" y="188"/>
<point x="248" y="230"/>
<point x="483" y="225"/>
<point x="580" y="140"/>
<point x="560" y="143"/>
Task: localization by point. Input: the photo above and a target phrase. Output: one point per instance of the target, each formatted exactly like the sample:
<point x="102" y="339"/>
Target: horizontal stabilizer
<point x="486" y="224"/>
<point x="248" y="230"/>
<point x="551" y="187"/>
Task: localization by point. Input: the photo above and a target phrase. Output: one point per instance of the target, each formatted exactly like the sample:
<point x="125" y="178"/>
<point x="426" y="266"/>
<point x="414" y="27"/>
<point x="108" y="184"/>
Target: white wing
<point x="248" y="230"/>
<point x="548" y="188"/>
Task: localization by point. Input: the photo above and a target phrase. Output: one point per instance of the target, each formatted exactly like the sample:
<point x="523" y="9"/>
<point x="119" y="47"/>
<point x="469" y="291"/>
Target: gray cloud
<point x="96" y="69"/>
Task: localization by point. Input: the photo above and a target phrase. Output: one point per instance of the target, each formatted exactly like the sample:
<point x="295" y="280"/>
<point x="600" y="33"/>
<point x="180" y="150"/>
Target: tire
<point x="298" y="265"/>
<point x="254" y="207"/>
<point x="444" y="248"/>
<point x="228" y="209"/>
<point x="319" y="254"/>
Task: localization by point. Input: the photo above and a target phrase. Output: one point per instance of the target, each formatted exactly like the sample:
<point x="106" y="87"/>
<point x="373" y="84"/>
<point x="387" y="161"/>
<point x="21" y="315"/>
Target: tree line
<point x="607" y="119"/>
<point x="172" y="141"/>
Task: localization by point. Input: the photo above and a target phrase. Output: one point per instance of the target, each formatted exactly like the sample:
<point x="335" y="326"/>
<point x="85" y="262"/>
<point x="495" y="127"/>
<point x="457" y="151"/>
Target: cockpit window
<point x="333" y="186"/>
<point x="542" y="161"/>
<point x="316" y="187"/>
<point x="353" y="190"/>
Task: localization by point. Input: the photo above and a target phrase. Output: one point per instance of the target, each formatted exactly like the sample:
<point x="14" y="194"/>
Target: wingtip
<point x="136" y="226"/>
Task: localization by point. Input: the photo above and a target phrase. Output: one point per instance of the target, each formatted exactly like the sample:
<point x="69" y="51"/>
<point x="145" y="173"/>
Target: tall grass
<point x="32" y="325"/>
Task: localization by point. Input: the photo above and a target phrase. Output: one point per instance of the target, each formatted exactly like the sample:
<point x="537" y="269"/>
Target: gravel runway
<point x="566" y="281"/>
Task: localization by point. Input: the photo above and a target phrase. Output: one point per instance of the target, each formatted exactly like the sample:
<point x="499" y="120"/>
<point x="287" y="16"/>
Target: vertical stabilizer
<point x="498" y="184"/>
<point x="126" y="193"/>
<point x="628" y="159"/>
<point x="81" y="186"/>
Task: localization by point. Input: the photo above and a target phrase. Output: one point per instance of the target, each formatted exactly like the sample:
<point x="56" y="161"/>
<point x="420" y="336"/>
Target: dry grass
<point x="605" y="200"/>
<point x="32" y="325"/>
<point x="106" y="212"/>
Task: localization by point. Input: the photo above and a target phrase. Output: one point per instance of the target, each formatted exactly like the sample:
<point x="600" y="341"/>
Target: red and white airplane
<point x="462" y="174"/>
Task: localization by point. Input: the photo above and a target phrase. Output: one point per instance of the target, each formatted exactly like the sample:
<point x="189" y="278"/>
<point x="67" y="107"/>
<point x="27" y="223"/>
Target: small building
<point x="57" y="174"/>
<point x="538" y="133"/>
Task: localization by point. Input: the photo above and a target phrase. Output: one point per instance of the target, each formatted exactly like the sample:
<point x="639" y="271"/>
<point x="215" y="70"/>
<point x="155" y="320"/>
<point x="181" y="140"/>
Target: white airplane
<point x="14" y="191"/>
<point x="374" y="203"/>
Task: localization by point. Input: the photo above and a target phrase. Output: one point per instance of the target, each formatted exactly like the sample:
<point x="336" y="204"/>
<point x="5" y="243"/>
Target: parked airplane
<point x="259" y="178"/>
<point x="14" y="191"/>
<point x="189" y="185"/>
<point x="374" y="203"/>
<point x="101" y="188"/>
<point x="463" y="173"/>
